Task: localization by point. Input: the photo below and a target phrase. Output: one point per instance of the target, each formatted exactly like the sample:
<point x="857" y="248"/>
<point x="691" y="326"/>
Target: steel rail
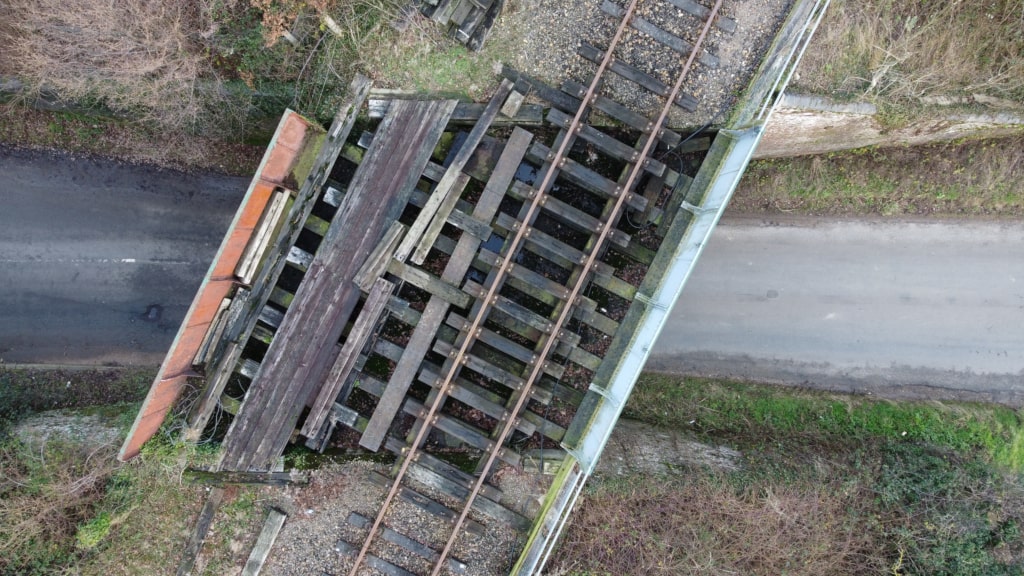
<point x="606" y="229"/>
<point x="481" y="315"/>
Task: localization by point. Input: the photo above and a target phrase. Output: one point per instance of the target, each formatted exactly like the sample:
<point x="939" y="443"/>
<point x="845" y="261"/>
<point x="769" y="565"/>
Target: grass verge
<point x="831" y="484"/>
<point x="902" y="51"/>
<point x="66" y="504"/>
<point x="105" y="136"/>
<point x="963" y="178"/>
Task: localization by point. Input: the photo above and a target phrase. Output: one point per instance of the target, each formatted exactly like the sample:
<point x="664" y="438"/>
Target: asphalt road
<point x="99" y="260"/>
<point x="896" y="309"/>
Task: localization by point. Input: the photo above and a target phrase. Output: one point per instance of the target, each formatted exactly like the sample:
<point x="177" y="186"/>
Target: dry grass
<point x="131" y="141"/>
<point x="905" y="50"/>
<point x="705" y="526"/>
<point x="950" y="179"/>
<point x="136" y="57"/>
<point x="46" y="492"/>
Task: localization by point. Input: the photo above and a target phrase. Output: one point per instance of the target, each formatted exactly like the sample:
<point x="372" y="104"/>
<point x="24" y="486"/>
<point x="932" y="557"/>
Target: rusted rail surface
<point x="555" y="161"/>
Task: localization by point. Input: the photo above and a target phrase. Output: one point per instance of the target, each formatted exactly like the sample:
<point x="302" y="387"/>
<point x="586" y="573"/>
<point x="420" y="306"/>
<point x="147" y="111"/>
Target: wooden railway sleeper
<point x="481" y="314"/>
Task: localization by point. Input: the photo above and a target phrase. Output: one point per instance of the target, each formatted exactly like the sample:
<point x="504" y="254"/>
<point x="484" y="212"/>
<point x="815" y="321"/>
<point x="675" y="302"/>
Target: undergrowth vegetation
<point x="957" y="178"/>
<point x="831" y="484"/>
<point x="902" y="51"/>
<point x="66" y="504"/>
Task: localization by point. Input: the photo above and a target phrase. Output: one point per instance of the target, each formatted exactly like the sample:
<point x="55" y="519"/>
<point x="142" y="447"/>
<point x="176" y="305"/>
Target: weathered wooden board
<point x="265" y="541"/>
<point x="451" y="175"/>
<point x="436" y="309"/>
<point x="357" y="337"/>
<point x="266" y="278"/>
<point x="303" y="350"/>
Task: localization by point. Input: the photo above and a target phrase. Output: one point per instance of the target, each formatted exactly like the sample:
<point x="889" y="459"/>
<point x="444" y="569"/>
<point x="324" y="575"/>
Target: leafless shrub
<point x="45" y="493"/>
<point x="706" y="527"/>
<point x="907" y="50"/>
<point x="137" y="57"/>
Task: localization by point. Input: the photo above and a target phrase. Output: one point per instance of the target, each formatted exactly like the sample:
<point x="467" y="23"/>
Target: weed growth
<point x="957" y="178"/>
<point x="832" y="485"/>
<point x="901" y="51"/>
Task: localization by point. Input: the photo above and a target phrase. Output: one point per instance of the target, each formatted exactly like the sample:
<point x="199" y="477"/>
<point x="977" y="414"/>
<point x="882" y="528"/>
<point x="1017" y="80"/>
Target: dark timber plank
<point x="505" y="346"/>
<point x="725" y="24"/>
<point x="570" y="215"/>
<point x="637" y="76"/>
<point x="415" y="498"/>
<point x="560" y="253"/>
<point x="375" y="562"/>
<point x="557" y="98"/>
<point x="438" y="466"/>
<point x="436" y="309"/>
<point x="268" y="274"/>
<point x="447" y="184"/>
<point x="436" y="286"/>
<point x="195" y="542"/>
<point x="301" y="354"/>
<point x="459" y="429"/>
<point x="476" y="396"/>
<point x="357" y="337"/>
<point x="667" y="38"/>
<point x="606" y="143"/>
<point x="511" y="309"/>
<point x="585" y="177"/>
<point x="623" y="114"/>
<point x="418" y="548"/>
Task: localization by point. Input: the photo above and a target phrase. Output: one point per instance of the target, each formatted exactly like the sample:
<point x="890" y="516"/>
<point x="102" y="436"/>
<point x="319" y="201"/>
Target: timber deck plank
<point x="301" y="353"/>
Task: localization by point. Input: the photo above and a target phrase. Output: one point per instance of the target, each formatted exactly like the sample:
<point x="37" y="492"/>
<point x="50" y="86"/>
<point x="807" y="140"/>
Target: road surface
<point x="897" y="309"/>
<point x="99" y="260"/>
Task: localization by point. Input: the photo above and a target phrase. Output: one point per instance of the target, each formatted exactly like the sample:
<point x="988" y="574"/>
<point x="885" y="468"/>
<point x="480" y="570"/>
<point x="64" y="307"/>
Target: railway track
<point x="521" y="294"/>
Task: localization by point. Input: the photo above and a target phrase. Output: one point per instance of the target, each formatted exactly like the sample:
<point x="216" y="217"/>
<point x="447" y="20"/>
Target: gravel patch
<point x="549" y="32"/>
<point x="318" y="518"/>
<point x="66" y="426"/>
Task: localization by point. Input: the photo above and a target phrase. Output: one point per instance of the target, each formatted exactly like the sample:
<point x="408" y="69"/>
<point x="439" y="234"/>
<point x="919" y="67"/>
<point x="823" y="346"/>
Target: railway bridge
<point x="473" y="288"/>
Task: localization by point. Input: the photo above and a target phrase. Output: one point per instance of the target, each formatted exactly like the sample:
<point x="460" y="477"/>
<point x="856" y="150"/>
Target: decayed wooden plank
<point x="668" y="39"/>
<point x="440" y="217"/>
<point x="505" y="346"/>
<point x="360" y="333"/>
<point x="565" y="102"/>
<point x="223" y="478"/>
<point x="415" y="498"/>
<point x="267" y="277"/>
<point x="587" y="178"/>
<point x="476" y="396"/>
<point x="637" y="76"/>
<point x="436" y="286"/>
<point x="374" y="562"/>
<point x="418" y="548"/>
<point x="448" y="181"/>
<point x="570" y="215"/>
<point x="304" y="349"/>
<point x="260" y="240"/>
<point x="623" y="114"/>
<point x="377" y="262"/>
<point x="459" y="429"/>
<point x="466" y="113"/>
<point x="605" y="143"/>
<point x="438" y="466"/>
<point x="725" y="24"/>
<point x="436" y="309"/>
<point x="265" y="541"/>
<point x="195" y="542"/>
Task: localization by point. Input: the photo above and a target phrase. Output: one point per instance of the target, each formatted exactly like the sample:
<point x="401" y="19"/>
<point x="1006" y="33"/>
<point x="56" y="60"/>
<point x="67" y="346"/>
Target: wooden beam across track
<point x="303" y="349"/>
